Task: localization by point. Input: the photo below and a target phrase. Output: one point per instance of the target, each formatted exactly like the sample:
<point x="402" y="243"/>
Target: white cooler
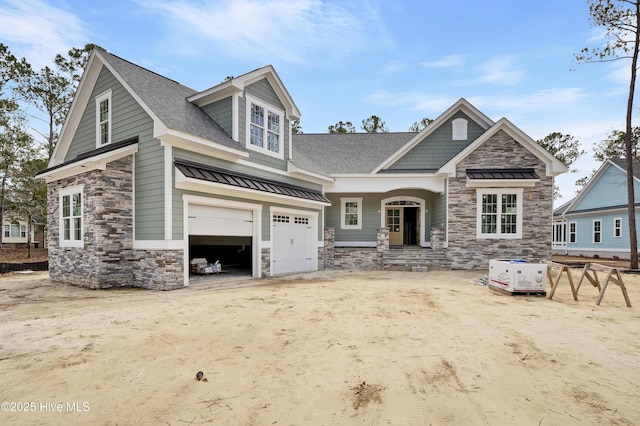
<point x="517" y="276"/>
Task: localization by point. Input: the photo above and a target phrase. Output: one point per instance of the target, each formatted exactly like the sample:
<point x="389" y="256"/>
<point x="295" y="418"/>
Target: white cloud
<point x="446" y="62"/>
<point x="38" y="31"/>
<point x="294" y="31"/>
<point x="411" y="100"/>
<point x="540" y="100"/>
<point x="394" y="67"/>
<point x="621" y="73"/>
<point x="500" y="71"/>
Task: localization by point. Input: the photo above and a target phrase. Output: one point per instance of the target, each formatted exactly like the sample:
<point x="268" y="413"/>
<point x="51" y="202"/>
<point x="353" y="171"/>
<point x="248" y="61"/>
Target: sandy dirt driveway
<point x="328" y="348"/>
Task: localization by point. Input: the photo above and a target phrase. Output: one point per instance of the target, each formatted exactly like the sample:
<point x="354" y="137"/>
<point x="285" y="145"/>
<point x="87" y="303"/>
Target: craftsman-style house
<point x="596" y="221"/>
<point x="150" y="176"/>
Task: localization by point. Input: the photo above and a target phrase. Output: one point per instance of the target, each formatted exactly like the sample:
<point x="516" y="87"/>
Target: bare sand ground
<point x="328" y="348"/>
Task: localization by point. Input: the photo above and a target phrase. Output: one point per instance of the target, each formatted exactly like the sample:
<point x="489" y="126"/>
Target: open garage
<point x="221" y="234"/>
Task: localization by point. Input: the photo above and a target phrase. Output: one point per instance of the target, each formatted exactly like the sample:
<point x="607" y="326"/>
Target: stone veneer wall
<point x="265" y="258"/>
<point x="464" y="250"/>
<point x="107" y="258"/>
<point x="355" y="258"/>
<point x="158" y="269"/>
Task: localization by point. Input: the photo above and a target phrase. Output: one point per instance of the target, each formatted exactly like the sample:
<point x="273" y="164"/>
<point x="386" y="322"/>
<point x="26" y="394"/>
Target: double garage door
<point x="293" y="236"/>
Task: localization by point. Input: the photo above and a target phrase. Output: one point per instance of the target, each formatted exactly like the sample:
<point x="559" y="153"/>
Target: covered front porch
<point x="384" y="256"/>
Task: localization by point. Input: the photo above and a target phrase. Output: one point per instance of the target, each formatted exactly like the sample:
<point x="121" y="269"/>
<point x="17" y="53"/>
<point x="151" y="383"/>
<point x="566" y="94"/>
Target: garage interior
<point x="234" y="253"/>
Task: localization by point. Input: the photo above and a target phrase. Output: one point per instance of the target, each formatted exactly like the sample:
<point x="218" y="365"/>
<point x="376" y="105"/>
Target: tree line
<point x="33" y="107"/>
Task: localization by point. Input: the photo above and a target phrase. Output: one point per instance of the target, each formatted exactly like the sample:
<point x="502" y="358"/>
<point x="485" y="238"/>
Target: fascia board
<point x="99" y="162"/>
<point x="597" y="212"/>
<point x="553" y="165"/>
<point x="597" y="175"/>
<point x="200" y="145"/>
<point x="461" y="105"/>
<point x="294" y="170"/>
<point x="157" y="123"/>
<point x="268" y="72"/>
<point x="385" y="183"/>
<point x="79" y="104"/>
<point x="623" y="169"/>
<point x="216" y="93"/>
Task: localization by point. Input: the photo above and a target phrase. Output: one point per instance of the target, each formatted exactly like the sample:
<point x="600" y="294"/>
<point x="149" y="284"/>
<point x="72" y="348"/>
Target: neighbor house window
<point x="573" y="227"/>
<point x="499" y="213"/>
<point x="103" y="119"/>
<point x="617" y="227"/>
<point x="559" y="233"/>
<point x="15" y="231"/>
<point x="71" y="218"/>
<point x="597" y="231"/>
<point x="265" y="130"/>
<point x="351" y="213"/>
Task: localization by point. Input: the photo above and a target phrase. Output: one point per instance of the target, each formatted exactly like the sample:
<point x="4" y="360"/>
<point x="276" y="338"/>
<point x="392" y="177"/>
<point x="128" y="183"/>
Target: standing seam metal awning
<point x="216" y="175"/>
<point x="525" y="173"/>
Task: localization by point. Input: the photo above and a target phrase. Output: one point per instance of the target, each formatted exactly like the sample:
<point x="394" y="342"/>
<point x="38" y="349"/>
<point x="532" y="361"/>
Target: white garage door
<point x="209" y="220"/>
<point x="293" y="244"/>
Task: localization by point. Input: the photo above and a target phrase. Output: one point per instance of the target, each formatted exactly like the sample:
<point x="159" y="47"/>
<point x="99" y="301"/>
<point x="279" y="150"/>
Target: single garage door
<point x="293" y="244"/>
<point x="209" y="220"/>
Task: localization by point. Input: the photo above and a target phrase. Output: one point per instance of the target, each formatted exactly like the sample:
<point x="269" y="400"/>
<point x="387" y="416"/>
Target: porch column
<point x="329" y="244"/>
<point x="437" y="239"/>
<point x="382" y="246"/>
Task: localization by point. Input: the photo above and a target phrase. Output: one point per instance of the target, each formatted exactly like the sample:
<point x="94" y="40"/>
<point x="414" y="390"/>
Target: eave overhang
<point x="93" y="160"/>
<point x="199" y="145"/>
<point x="385" y="182"/>
<point x="300" y="173"/>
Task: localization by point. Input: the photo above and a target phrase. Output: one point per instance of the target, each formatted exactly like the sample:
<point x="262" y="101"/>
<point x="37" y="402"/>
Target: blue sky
<point x="346" y="60"/>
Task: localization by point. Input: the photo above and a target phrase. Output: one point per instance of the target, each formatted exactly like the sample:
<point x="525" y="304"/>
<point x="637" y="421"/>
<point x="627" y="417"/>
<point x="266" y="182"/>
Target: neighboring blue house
<point x="151" y="178"/>
<point x="595" y="223"/>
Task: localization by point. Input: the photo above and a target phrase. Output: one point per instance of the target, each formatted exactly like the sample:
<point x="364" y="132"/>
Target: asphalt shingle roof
<point x="346" y="153"/>
<point x="168" y="100"/>
<point x="622" y="163"/>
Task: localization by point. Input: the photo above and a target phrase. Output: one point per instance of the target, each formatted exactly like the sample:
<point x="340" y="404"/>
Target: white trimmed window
<point x="265" y="131"/>
<point x="15" y="230"/>
<point x="71" y="218"/>
<point x="103" y="119"/>
<point x="617" y="227"/>
<point x="573" y="231"/>
<point x="499" y="213"/>
<point x="597" y="231"/>
<point x="560" y="233"/>
<point x="351" y="213"/>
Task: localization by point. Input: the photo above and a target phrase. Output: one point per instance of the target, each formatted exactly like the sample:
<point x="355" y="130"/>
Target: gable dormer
<point x="256" y="110"/>
<point x="436" y="147"/>
<point x="447" y="135"/>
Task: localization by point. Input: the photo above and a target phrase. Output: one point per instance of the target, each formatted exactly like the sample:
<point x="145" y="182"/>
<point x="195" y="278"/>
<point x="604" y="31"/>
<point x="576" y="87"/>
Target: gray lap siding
<point x="372" y="212"/>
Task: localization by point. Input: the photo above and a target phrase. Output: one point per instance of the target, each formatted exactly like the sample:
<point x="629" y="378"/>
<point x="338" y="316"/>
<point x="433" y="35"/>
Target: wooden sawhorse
<point x="554" y="284"/>
<point x="613" y="275"/>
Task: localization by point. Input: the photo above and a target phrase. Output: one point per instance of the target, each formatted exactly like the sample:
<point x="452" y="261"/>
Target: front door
<point x="394" y="225"/>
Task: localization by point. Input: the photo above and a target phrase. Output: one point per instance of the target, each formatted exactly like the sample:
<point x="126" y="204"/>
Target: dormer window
<point x="264" y="128"/>
<point x="103" y="119"/>
<point x="459" y="129"/>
